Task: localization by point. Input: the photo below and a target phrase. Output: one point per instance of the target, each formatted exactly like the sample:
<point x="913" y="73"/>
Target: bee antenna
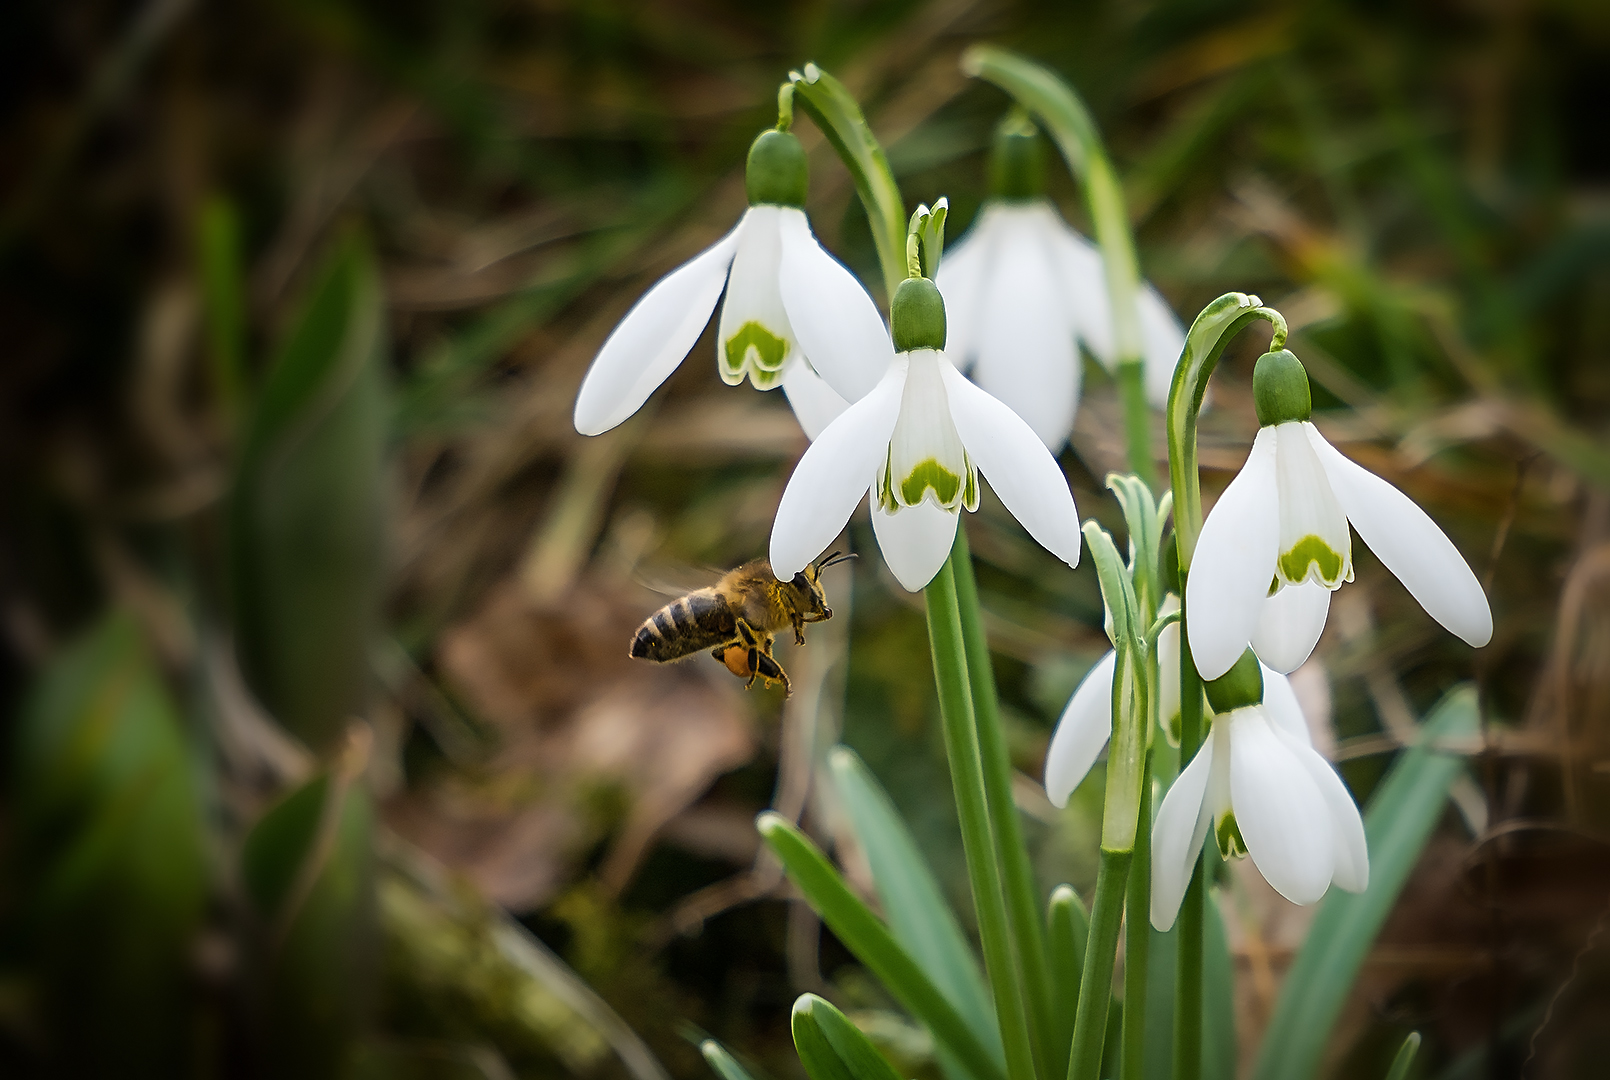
<point x="833" y="560"/>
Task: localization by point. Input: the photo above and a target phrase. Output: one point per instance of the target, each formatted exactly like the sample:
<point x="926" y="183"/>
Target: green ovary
<point x="1228" y="834"/>
<point x="1311" y="550"/>
<point x="769" y="351"/>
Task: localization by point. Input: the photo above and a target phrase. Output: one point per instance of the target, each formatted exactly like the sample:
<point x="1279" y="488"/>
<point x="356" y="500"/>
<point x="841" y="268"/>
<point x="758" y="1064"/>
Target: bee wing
<point x="679" y="580"/>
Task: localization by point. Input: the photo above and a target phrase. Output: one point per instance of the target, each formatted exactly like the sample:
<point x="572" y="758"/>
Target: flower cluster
<point x="893" y="417"/>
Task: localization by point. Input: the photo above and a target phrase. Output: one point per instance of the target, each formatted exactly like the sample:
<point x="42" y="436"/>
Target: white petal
<point x="1289" y="625"/>
<point x="1162" y="340"/>
<point x="1314" y="542"/>
<point x="1084" y="282"/>
<point x="916" y="541"/>
<point x="754" y="337"/>
<point x="815" y="403"/>
<point x="1017" y="465"/>
<point x="653" y="338"/>
<point x="1177" y="836"/>
<point x="1349" y="849"/>
<point x="1027" y="357"/>
<point x="1282" y="816"/>
<point x="1409" y="543"/>
<point x="1082" y="733"/>
<point x="830" y="479"/>
<point x="1282" y="708"/>
<point x="1233" y="563"/>
<point x="833" y="316"/>
<point x="963" y="274"/>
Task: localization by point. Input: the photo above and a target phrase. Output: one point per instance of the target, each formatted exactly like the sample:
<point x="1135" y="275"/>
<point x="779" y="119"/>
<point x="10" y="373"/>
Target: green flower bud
<point x="1280" y="389"/>
<point x="1017" y="159"/>
<point x="1239" y="687"/>
<point x="917" y="316"/>
<point x="776" y="174"/>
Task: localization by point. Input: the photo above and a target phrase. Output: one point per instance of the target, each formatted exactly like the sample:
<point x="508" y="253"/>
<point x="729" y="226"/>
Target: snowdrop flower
<point x="1266" y="792"/>
<point x="790" y="307"/>
<point x="918" y="441"/>
<point x="1023" y="289"/>
<point x="1277" y="541"/>
<point x="1085" y="727"/>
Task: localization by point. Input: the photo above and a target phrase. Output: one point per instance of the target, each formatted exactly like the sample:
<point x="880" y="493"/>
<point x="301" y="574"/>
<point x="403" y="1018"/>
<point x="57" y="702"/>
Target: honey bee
<point x="737" y="617"/>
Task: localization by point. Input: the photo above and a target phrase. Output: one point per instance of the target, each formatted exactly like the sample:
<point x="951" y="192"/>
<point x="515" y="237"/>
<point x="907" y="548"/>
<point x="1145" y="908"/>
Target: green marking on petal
<point x="930" y="474"/>
<point x="769" y="350"/>
<point x="970" y="493"/>
<point x="1311" y="550"/>
<point x="1231" y="843"/>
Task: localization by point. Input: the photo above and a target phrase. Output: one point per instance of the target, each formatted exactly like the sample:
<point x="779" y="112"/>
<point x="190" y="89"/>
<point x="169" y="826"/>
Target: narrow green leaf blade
<point x="308" y="509"/>
<point x="832" y="1048"/>
<point x="725" y="1065"/>
<point x="1405" y="1059"/>
<point x="1398" y="823"/>
<point x="912" y="902"/>
<point x="309" y="867"/>
<point x="1068" y="930"/>
<point x="865" y="935"/>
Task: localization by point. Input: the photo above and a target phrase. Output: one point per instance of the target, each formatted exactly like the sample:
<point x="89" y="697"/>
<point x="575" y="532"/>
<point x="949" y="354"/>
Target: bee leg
<point x="770" y="670"/>
<point x="799" y="630"/>
<point x="754" y="669"/>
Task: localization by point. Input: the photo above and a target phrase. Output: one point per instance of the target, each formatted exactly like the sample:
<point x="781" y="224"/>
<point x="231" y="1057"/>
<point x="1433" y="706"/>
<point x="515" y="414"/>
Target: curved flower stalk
<point x="1277" y="542"/>
<point x="1023" y="290"/>
<point x="917" y="443"/>
<point x="790" y="307"/>
<point x="1266" y="793"/>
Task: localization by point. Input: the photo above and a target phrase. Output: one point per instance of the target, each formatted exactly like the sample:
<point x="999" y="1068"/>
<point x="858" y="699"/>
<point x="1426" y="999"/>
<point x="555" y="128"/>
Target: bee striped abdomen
<point x="697" y="621"/>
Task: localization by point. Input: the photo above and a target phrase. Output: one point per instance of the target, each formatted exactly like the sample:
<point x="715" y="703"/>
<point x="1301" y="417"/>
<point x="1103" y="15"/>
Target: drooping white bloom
<point x="917" y="442"/>
<point x="1258" y="781"/>
<point x="788" y="303"/>
<point x="1277" y="543"/>
<point x="1022" y="290"/>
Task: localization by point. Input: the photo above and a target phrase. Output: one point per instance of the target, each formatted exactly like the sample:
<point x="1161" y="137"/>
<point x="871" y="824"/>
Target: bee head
<point x="809" y="583"/>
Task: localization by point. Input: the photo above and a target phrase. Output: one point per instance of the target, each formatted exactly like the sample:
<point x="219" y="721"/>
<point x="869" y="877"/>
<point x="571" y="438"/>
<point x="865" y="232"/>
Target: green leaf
<point x="308" y="508"/>
<point x="832" y="1048"/>
<point x="1405" y="1059"/>
<point x="916" y="910"/>
<point x="871" y="942"/>
<point x="309" y="868"/>
<point x="833" y="109"/>
<point x="1068" y="930"/>
<point x="1218" y="1000"/>
<point x="107" y="864"/>
<point x="724" y="1064"/>
<point x="1400" y="819"/>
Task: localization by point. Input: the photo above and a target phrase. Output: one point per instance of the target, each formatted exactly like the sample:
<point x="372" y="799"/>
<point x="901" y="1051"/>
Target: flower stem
<point x="972" y="807"/>
<point x="1095" y="985"/>
<point x="1204" y="344"/>
<point x="1023" y="908"/>
<point x="1137" y="421"/>
<point x="1137" y="940"/>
